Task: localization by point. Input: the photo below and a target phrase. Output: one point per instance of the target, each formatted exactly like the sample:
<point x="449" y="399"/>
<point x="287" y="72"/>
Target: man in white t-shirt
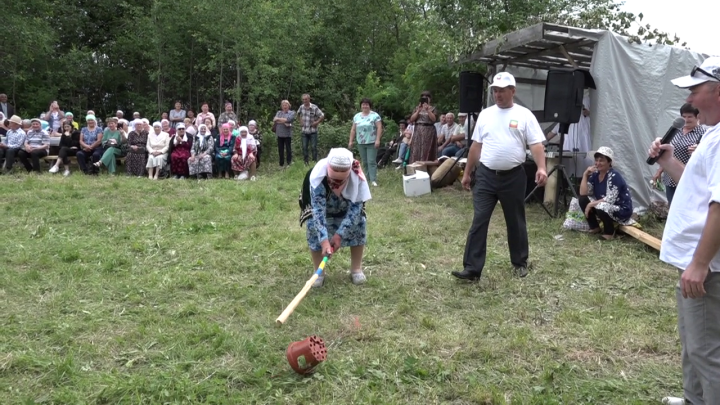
<point x="500" y="138"/>
<point x="691" y="240"/>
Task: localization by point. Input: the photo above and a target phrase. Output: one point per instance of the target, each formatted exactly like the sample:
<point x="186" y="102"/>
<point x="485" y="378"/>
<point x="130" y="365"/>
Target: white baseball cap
<point x="503" y="79"/>
<point x="708" y="71"/>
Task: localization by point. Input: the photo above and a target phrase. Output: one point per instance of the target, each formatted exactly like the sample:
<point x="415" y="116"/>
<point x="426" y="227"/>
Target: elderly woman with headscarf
<point x="332" y="203"/>
<point x="158" y="144"/>
<point x="200" y="161"/>
<point x="166" y="127"/>
<point x="90" y="143"/>
<point x="224" y="146"/>
<point x="243" y="160"/>
<point x="181" y="144"/>
<point x="111" y="141"/>
<point x="255" y="132"/>
<point x="136" y="158"/>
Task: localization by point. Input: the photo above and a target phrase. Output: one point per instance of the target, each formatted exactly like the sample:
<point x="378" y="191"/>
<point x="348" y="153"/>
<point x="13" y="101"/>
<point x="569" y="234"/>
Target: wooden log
<point x="552" y="181"/>
<point x="641" y="236"/>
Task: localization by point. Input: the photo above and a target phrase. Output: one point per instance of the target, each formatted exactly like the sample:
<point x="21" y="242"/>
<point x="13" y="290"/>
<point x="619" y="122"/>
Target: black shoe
<point x="521" y="271"/>
<point x="466" y="275"/>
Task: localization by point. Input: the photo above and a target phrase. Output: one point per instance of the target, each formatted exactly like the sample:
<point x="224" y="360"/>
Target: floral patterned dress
<point x="135" y="160"/>
<point x="332" y="214"/>
<point x="180" y="155"/>
<point x="238" y="163"/>
<point x="424" y="139"/>
<point x="205" y="146"/>
<point x="613" y="189"/>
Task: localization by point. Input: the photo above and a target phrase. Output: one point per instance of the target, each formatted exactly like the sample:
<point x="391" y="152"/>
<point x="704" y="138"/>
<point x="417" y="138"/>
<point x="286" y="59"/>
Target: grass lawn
<point x="123" y="290"/>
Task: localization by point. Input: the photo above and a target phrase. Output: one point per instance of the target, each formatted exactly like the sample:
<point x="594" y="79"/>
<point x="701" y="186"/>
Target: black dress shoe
<point x="521" y="271"/>
<point x="466" y="275"/>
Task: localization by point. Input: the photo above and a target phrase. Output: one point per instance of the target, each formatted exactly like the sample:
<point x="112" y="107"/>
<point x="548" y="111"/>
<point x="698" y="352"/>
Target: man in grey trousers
<point x="691" y="240"/>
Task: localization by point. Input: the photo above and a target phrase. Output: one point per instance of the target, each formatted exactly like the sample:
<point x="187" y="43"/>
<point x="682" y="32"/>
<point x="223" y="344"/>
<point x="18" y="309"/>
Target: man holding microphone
<point x="691" y="240"/>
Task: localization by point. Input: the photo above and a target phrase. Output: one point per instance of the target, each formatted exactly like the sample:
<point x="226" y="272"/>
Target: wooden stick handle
<point x="296" y="301"/>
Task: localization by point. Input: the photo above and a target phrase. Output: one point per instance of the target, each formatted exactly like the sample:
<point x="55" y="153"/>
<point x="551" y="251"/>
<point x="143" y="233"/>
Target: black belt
<point x="501" y="172"/>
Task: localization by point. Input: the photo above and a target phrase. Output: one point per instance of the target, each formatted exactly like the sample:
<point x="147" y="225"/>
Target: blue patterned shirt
<point x="90" y="137"/>
<point x="15" y="139"/>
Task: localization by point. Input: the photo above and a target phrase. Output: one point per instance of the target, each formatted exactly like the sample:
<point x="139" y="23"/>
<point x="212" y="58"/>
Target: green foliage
<point x="142" y="55"/>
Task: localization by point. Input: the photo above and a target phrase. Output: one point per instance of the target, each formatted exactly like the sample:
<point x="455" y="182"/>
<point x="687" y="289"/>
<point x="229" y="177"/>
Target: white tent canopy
<point x="634" y="101"/>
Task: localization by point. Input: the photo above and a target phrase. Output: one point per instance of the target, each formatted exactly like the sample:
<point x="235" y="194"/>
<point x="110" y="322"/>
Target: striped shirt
<point x="37" y="139"/>
<point x="682" y="143"/>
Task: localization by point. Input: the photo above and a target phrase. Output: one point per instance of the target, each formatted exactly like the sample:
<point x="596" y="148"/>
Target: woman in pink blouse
<point x="205" y="114"/>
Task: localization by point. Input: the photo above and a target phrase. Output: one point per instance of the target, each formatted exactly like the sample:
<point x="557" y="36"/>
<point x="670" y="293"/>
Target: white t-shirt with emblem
<point x="699" y="187"/>
<point x="505" y="134"/>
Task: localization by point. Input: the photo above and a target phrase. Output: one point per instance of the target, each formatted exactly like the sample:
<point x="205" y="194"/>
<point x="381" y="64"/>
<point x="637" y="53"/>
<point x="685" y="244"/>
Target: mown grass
<point x="123" y="290"/>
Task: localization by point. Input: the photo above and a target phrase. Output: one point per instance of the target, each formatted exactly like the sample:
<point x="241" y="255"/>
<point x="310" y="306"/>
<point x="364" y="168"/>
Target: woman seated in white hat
<point x="158" y="144"/>
<point x="332" y="202"/>
<point x="604" y="195"/>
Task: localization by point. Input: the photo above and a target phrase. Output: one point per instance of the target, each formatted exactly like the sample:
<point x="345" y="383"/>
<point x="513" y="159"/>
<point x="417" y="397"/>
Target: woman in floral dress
<point x="423" y="145"/>
<point x="604" y="195"/>
<point x="332" y="203"/>
<point x="243" y="160"/>
<point x="136" y="158"/>
<point x="200" y="161"/>
<point x="182" y="143"/>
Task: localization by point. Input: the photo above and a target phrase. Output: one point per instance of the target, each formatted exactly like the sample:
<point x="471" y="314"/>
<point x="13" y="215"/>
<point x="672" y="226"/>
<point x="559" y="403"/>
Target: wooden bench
<point x="643" y="237"/>
<point x="50" y="159"/>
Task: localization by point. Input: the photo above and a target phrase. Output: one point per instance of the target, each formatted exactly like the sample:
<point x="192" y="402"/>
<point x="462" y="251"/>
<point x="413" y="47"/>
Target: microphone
<point x="669" y="135"/>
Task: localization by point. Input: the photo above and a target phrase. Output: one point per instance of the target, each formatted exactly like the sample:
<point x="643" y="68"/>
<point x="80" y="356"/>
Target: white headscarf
<point x="356" y="190"/>
<point x="202" y="137"/>
<point x="244" y="140"/>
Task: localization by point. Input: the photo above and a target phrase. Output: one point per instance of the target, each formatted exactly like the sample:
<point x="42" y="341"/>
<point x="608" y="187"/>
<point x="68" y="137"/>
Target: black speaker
<point x="471" y="92"/>
<point x="564" y="96"/>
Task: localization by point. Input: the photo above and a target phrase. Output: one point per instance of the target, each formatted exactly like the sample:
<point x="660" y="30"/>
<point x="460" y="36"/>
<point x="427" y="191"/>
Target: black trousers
<point x="64" y="153"/>
<point x="9" y="156"/>
<point x="34" y="156"/>
<point x="285" y="145"/>
<point x="490" y="187"/>
<point x="592" y="219"/>
<point x="257" y="158"/>
<point x="94" y="156"/>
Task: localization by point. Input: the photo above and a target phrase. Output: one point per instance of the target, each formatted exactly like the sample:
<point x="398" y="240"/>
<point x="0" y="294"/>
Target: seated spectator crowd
<point x="180" y="149"/>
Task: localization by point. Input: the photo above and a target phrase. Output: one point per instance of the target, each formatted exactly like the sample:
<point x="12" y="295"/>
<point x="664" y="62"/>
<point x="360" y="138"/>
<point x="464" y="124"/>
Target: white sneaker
<point x="319" y="282"/>
<point x="253" y="178"/>
<point x="243" y="176"/>
<point x="54" y="169"/>
<point x="399" y="167"/>
<point x="673" y="401"/>
<point x="66" y="173"/>
<point x="374" y="184"/>
<point x="398" y="160"/>
<point x="358" y="278"/>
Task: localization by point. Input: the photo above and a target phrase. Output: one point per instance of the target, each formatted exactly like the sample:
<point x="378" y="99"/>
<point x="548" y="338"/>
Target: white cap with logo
<point x="503" y="79"/>
<point x="708" y="71"/>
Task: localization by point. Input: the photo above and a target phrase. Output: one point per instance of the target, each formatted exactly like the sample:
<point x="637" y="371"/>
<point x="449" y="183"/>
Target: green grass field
<point x="119" y="290"/>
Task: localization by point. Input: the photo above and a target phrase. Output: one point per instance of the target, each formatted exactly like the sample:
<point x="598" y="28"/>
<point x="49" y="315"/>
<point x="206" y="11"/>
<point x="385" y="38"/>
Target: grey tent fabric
<point x="634" y="102"/>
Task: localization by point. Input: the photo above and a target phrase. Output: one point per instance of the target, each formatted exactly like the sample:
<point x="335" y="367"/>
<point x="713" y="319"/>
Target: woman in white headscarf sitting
<point x="243" y="160"/>
<point x="158" y="144"/>
<point x="200" y="161"/>
<point x="332" y="202"/>
<point x="255" y="132"/>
